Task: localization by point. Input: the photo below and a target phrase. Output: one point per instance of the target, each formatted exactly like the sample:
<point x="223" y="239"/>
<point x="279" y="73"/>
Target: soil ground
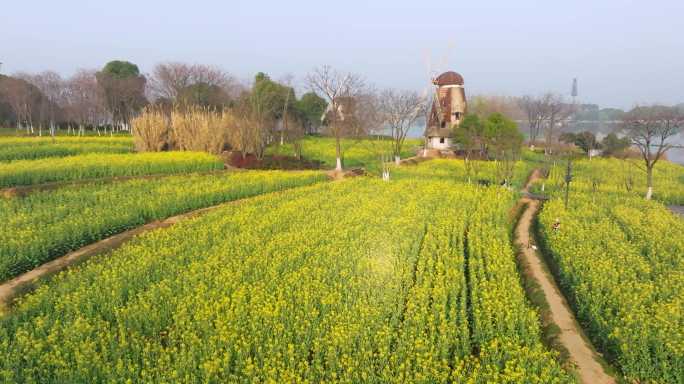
<point x="571" y="336"/>
<point x="679" y="209"/>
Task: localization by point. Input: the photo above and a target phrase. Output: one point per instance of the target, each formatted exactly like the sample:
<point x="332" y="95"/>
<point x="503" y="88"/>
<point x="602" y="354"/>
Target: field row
<point x="45" y="225"/>
<point x="91" y="166"/>
<point x="620" y="259"/>
<point x="472" y="172"/>
<point x="356" y="153"/>
<point x="622" y="177"/>
<point x="354" y="281"/>
<point x="13" y="148"/>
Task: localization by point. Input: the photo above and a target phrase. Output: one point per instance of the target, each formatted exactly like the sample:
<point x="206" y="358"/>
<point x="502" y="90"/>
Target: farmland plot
<point x="45" y="225"/>
<point x="92" y="166"/>
<point x="12" y="148"/>
<point x="354" y="281"/>
<point x="620" y="259"/>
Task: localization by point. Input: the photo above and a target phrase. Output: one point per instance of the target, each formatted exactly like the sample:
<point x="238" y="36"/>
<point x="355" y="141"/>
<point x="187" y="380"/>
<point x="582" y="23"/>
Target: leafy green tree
<point x="310" y="108"/>
<point x="613" y="145"/>
<point x="586" y="140"/>
<point x="504" y="142"/>
<point x="502" y="134"/>
<point x="121" y="69"/>
<point x="470" y="135"/>
<point x="124" y="90"/>
<point x="274" y="97"/>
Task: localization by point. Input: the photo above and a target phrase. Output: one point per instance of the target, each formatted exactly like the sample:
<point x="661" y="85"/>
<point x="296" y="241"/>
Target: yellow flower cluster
<point x="96" y="165"/>
<point x="622" y="177"/>
<point x="45" y="225"/>
<point x="27" y="148"/>
<point x="353" y="281"/>
<point x="473" y="171"/>
<point x="356" y="153"/>
<point x="620" y="258"/>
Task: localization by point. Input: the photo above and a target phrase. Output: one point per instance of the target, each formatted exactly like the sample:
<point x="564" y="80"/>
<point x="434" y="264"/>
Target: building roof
<point x="448" y="78"/>
<point x="438" y="132"/>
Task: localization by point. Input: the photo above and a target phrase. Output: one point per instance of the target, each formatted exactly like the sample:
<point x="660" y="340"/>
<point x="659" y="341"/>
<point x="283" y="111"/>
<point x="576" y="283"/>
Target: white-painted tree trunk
<point x="397" y="160"/>
<point x="649" y="193"/>
<point x="338" y="167"/>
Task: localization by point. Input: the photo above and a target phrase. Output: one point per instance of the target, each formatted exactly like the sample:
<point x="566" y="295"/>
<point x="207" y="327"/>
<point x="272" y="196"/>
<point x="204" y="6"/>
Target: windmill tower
<point x="448" y="109"/>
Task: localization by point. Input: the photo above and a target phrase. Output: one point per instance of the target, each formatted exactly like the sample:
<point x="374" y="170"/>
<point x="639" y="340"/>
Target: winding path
<point x="571" y="335"/>
<point x="24" y="282"/>
<point x="678" y="209"/>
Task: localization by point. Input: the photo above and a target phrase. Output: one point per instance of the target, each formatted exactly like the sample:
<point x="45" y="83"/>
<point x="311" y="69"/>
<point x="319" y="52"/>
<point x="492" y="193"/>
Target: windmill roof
<point x="448" y="78"/>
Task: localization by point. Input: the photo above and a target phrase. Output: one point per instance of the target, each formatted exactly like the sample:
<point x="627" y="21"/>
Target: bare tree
<point x="23" y="98"/>
<point x="288" y="91"/>
<point x="256" y="121"/>
<point x="51" y="87"/>
<point x="650" y="129"/>
<point x="555" y="111"/>
<point x="340" y="89"/>
<point x="485" y="105"/>
<point x="124" y="95"/>
<point x="399" y="111"/>
<point x="84" y="100"/>
<point x="534" y="110"/>
<point x="169" y="79"/>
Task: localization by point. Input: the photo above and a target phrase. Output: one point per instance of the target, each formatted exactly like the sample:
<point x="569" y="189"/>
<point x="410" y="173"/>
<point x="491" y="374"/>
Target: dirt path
<point x="25" y="282"/>
<point x="571" y="335"/>
<point x="678" y="209"/>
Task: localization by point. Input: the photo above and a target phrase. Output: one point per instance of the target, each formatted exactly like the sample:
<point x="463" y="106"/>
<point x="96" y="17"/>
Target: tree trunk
<point x="338" y="154"/>
<point x="397" y="160"/>
<point x="649" y="182"/>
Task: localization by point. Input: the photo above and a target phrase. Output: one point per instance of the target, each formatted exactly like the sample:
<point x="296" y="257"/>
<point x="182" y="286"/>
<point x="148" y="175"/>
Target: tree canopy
<point x="121" y="69"/>
<point x="470" y="133"/>
<point x="123" y="88"/>
<point x="272" y="96"/>
<point x="502" y="134"/>
<point x="310" y="108"/>
<point x="613" y="145"/>
<point x="204" y="94"/>
<point x="586" y="140"/>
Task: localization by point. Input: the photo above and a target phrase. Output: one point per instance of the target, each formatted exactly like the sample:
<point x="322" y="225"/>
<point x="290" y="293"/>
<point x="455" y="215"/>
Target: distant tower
<point x="574" y="90"/>
<point x="448" y="109"/>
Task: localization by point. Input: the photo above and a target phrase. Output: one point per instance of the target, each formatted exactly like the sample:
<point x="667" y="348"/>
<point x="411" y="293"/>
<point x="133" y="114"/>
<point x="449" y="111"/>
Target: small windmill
<point x="436" y="102"/>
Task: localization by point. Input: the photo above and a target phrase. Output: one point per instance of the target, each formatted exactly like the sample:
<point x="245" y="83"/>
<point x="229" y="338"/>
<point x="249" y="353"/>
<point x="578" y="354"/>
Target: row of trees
<point x="269" y="112"/>
<point x="649" y="129"/>
<point x="89" y="98"/>
<point x="109" y="98"/>
<point x="545" y="114"/>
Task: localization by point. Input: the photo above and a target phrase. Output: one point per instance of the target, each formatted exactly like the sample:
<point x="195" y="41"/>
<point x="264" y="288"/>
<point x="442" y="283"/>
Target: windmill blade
<point x="438" y="103"/>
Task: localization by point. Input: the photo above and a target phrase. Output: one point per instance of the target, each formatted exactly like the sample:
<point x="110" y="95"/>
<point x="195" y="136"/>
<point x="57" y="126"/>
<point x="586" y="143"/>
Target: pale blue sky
<point x="623" y="52"/>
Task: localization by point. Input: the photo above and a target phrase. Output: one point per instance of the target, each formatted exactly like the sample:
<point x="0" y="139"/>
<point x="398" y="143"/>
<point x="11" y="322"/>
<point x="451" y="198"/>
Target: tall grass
<point x="185" y="128"/>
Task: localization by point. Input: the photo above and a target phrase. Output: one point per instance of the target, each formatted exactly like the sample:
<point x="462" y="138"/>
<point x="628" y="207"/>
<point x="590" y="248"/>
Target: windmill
<point x="436" y="102"/>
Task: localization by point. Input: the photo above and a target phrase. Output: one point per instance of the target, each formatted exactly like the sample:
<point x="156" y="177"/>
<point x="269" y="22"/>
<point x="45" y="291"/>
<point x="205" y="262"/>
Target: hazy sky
<point x="622" y="52"/>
